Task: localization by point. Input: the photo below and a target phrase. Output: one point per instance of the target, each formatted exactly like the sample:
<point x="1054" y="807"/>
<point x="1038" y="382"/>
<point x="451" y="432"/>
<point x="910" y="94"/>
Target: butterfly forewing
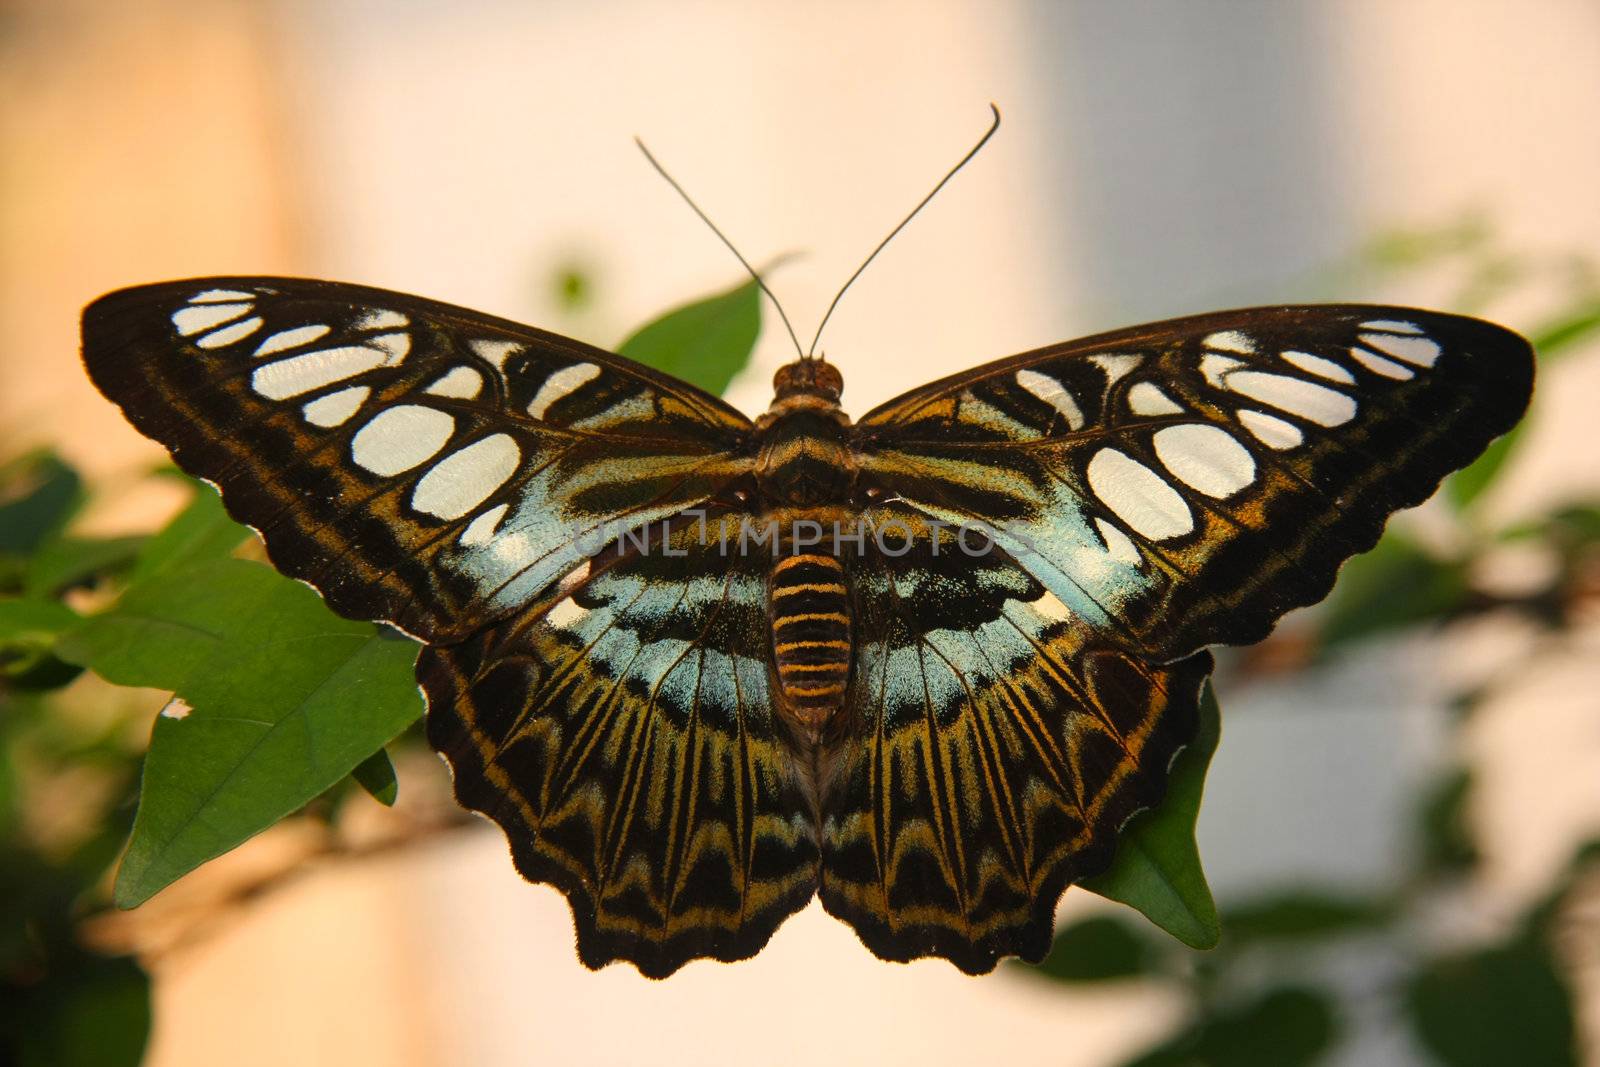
<point x="1187" y="483"/>
<point x="416" y="462"/>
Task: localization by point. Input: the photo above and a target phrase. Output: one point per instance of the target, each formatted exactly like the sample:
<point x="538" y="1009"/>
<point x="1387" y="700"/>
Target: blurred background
<point x="1403" y="779"/>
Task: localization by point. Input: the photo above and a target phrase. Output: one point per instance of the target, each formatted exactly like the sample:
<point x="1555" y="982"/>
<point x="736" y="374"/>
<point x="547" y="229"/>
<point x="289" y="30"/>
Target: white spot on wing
<point x="1053" y="393"/>
<point x="177" y="708"/>
<point x="1271" y="430"/>
<point x="212" y="296"/>
<point x="462" y="383"/>
<point x="1146" y="398"/>
<point x="229" y="334"/>
<point x="1051" y="607"/>
<point x="464" y="479"/>
<point x="1116" y="364"/>
<point x="397" y="439"/>
<point x="394" y="345"/>
<point x="1205" y="458"/>
<point x="566" y="614"/>
<point x="191" y="320"/>
<point x="1419" y="350"/>
<point x="496" y="352"/>
<point x="1138" y="495"/>
<point x="1392" y="326"/>
<point x="335" y="408"/>
<point x="481" y="528"/>
<point x="286" y="339"/>
<point x="1229" y="341"/>
<point x="1216" y="369"/>
<point x="562" y="383"/>
<point x="301" y="374"/>
<point x="1118" y="545"/>
<point x="1322" y="368"/>
<point x="1378" y="365"/>
<point x="381" y="319"/>
<point x="1315" y="403"/>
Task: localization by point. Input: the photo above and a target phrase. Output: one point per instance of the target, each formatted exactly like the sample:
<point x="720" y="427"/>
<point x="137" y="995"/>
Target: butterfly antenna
<point x="687" y="199"/>
<point x="993" y="126"/>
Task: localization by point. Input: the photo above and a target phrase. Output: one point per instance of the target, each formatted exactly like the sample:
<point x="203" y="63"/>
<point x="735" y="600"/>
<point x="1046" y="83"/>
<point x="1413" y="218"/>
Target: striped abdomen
<point x="810" y="611"/>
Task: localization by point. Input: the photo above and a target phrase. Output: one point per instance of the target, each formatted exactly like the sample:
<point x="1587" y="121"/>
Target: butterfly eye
<point x="873" y="492"/>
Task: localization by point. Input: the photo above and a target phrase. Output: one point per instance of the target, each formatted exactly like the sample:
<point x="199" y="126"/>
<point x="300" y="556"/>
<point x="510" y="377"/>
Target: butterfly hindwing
<point x="416" y="462"/>
<point x="1187" y="483"/>
<point x="624" y="736"/>
<point x="995" y="748"/>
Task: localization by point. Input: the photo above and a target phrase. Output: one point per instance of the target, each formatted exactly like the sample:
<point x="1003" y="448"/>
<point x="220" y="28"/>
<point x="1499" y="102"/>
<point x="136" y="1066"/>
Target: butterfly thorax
<point x="804" y="453"/>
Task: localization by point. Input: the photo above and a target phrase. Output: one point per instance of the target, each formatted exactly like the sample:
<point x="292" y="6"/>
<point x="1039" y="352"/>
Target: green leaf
<point x="1287" y="1027"/>
<point x="1551" y="342"/>
<point x="1396" y="584"/>
<point x="89" y="1011"/>
<point x="201" y="531"/>
<point x="706" y="342"/>
<point x="1569" y="530"/>
<point x="29" y="630"/>
<point x="1157" y="867"/>
<point x="69" y="561"/>
<point x="376" y="775"/>
<point x="277" y="699"/>
<point x="1303" y="915"/>
<point x="1098" y="949"/>
<point x="1447" y="845"/>
<point x="1560" y="337"/>
<point x="38" y="494"/>
<point x="1488" y="1008"/>
<point x="1467" y="484"/>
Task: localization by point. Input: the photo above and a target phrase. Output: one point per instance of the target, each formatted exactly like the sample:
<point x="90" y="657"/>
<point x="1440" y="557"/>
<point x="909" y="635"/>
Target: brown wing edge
<point x="444" y="674"/>
<point x="1031" y="939"/>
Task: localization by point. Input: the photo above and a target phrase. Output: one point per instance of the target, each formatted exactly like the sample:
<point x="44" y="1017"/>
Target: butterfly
<point x="700" y="669"/>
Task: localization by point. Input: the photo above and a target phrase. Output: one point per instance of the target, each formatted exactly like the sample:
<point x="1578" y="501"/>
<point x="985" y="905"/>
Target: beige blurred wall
<point x="464" y="150"/>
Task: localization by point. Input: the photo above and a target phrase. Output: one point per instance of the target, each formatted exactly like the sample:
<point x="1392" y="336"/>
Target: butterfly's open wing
<point x="996" y="746"/>
<point x="622" y="732"/>
<point x="417" y="463"/>
<point x="1149" y="492"/>
<point x="1186" y="483"/>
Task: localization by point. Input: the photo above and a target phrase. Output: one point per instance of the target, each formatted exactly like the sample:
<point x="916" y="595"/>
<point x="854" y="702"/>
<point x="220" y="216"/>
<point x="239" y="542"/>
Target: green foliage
<point x="202" y="531"/>
<point x="91" y="1011"/>
<point x="1494" y="1006"/>
<point x="1098" y="950"/>
<point x="1289" y="1027"/>
<point x="705" y="342"/>
<point x="1303" y="916"/>
<point x="1445" y="842"/>
<point x="38" y="494"/>
<point x="279" y="697"/>
<point x="1397" y="584"/>
<point x="376" y="775"/>
<point x="1157" y="866"/>
<point x="62" y="1002"/>
<point x="1552" y="342"/>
